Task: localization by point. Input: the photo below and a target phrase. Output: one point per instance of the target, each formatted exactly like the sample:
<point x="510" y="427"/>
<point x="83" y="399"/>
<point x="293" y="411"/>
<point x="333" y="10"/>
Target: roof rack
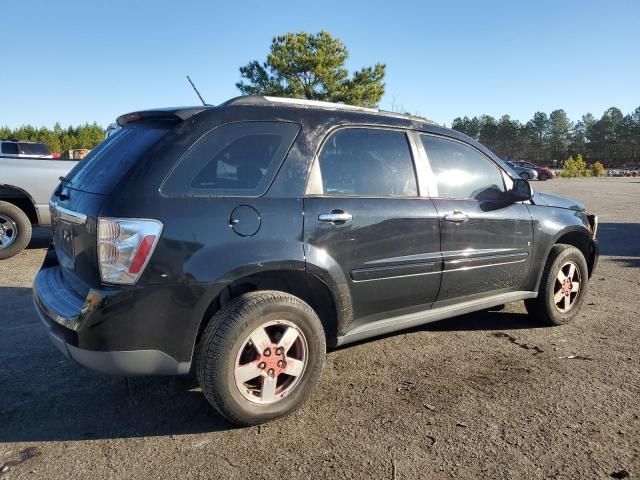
<point x="258" y="99"/>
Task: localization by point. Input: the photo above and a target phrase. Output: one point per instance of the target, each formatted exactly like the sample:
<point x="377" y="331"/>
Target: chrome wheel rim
<point x="566" y="289"/>
<point x="8" y="231"/>
<point x="271" y="362"/>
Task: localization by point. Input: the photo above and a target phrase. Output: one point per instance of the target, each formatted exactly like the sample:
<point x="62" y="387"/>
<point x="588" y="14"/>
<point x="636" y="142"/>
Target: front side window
<point x="461" y="171"/>
<point x="233" y="159"/>
<point x="367" y="162"/>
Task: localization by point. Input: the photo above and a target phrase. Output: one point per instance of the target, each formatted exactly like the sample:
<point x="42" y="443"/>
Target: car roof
<point x="15" y="140"/>
<point x="183" y="113"/>
<point x="296" y="109"/>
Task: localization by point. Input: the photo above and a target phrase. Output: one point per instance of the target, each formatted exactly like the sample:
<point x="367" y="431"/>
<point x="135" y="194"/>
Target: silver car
<point x="524" y="172"/>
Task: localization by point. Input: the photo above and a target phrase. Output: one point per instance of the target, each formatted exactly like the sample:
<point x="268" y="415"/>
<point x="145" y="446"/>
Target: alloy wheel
<point x="8" y="231"/>
<point x="271" y="362"/>
<point x="566" y="288"/>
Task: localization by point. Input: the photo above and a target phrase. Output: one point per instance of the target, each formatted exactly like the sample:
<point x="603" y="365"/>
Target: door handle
<point x="335" y="217"/>
<point x="456" y="217"/>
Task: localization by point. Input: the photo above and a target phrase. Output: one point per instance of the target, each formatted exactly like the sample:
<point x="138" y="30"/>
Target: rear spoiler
<point x="175" y="114"/>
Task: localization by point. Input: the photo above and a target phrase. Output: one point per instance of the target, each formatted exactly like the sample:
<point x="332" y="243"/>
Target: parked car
<point x="525" y="173"/>
<point x="27" y="179"/>
<point x="238" y="241"/>
<point x="25" y="149"/>
<point x="544" y="173"/>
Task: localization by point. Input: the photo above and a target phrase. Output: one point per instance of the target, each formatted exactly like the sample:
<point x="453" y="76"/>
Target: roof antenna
<point x="197" y="92"/>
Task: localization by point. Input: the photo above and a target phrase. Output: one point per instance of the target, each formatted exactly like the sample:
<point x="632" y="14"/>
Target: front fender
<point x="550" y="224"/>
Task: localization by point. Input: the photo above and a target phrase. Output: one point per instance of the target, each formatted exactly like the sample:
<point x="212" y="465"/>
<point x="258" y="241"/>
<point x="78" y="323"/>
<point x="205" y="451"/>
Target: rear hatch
<point x="77" y="201"/>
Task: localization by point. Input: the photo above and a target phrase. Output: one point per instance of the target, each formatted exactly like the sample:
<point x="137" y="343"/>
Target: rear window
<point x="101" y="170"/>
<point x="235" y="159"/>
<point x="36" y="149"/>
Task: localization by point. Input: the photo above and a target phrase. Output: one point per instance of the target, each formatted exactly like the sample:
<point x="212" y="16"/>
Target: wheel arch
<point x="300" y="283"/>
<point x="21" y="199"/>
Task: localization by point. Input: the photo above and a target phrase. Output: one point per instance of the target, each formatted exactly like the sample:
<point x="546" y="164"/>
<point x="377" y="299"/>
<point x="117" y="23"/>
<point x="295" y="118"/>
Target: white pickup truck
<point x="28" y="176"/>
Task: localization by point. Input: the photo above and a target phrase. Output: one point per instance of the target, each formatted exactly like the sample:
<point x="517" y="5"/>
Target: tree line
<point x="613" y="139"/>
<point x="58" y="139"/>
<point x="313" y="66"/>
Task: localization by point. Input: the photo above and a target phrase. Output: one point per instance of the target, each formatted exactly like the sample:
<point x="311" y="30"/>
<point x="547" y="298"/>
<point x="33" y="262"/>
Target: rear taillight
<point x="124" y="247"/>
<point x="55" y="155"/>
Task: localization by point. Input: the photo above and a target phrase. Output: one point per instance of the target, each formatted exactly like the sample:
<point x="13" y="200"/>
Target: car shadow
<point x="41" y="237"/>
<point x="619" y="239"/>
<point x="46" y="397"/>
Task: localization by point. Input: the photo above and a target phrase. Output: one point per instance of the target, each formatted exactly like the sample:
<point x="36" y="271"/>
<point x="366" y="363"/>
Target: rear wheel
<point x="563" y="286"/>
<point x="525" y="176"/>
<point x="260" y="356"/>
<point x="15" y="230"/>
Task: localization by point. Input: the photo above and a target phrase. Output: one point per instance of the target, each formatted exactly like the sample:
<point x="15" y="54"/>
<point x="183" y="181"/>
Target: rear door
<point x="365" y="221"/>
<point x="486" y="240"/>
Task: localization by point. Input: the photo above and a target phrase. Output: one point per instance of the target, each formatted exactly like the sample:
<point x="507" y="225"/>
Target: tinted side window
<point x="367" y="162"/>
<point x="10" y="148"/>
<point x="232" y="159"/>
<point x="461" y="171"/>
<point x="36" y="149"/>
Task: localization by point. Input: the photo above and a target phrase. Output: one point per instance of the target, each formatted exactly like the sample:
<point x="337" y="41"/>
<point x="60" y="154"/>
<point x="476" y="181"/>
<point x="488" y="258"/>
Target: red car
<point x="544" y="173"/>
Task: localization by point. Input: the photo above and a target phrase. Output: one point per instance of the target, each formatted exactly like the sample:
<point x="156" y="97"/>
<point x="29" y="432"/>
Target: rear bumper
<point x="129" y="331"/>
<point x="132" y="362"/>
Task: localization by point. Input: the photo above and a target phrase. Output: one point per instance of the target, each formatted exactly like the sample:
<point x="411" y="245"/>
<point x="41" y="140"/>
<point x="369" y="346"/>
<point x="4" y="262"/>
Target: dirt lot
<point x="481" y="396"/>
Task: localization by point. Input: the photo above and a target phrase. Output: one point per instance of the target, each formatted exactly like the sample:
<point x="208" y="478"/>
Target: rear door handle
<point x="335" y="217"/>
<point x="456" y="217"/>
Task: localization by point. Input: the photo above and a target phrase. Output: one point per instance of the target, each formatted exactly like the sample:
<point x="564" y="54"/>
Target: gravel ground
<point x="487" y="395"/>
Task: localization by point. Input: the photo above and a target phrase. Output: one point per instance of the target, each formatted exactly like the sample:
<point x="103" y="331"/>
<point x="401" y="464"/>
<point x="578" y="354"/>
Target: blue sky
<point x="76" y="61"/>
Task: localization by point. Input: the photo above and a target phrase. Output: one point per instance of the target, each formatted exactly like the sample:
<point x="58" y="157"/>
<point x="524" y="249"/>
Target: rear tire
<point x="15" y="230"/>
<point x="563" y="287"/>
<point x="249" y="370"/>
<point x="525" y="176"/>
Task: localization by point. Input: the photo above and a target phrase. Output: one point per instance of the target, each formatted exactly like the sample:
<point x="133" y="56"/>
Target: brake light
<point x="55" y="155"/>
<point x="125" y="247"/>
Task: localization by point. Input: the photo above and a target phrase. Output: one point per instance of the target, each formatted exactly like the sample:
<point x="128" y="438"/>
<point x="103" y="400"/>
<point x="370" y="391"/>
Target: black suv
<point x="238" y="241"/>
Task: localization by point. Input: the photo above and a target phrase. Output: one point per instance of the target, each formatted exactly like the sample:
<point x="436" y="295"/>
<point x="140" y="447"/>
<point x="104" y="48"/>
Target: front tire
<point x="563" y="287"/>
<point x="525" y="176"/>
<point x="544" y="177"/>
<point x="260" y="356"/>
<point x="15" y="230"/>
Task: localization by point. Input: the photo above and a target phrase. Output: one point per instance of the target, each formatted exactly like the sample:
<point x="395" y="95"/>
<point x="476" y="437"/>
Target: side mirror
<point x="521" y="190"/>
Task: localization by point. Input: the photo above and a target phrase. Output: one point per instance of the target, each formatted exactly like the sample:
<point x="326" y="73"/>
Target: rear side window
<point x="461" y="171"/>
<point x="104" y="167"/>
<point x="36" y="149"/>
<point x="235" y="159"/>
<point x="367" y="162"/>
<point x="10" y="148"/>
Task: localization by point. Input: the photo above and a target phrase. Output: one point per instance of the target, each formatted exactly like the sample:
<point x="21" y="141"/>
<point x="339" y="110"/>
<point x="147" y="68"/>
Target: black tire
<point x="544" y="307"/>
<point x="226" y="333"/>
<point x="15" y="224"/>
<point x="544" y="177"/>
<point x="525" y="176"/>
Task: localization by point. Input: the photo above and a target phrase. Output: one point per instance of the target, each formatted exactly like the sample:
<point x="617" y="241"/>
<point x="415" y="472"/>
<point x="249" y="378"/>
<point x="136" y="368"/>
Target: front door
<point x="366" y="224"/>
<point x="486" y="240"/>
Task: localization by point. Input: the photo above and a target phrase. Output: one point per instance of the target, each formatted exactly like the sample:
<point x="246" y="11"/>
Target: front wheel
<point x="563" y="286"/>
<point x="15" y="230"/>
<point x="525" y="176"/>
<point x="544" y="177"/>
<point x="260" y="356"/>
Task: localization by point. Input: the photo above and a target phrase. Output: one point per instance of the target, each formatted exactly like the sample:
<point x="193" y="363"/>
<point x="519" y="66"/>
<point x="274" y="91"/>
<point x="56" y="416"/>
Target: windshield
<point x="36" y="149"/>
